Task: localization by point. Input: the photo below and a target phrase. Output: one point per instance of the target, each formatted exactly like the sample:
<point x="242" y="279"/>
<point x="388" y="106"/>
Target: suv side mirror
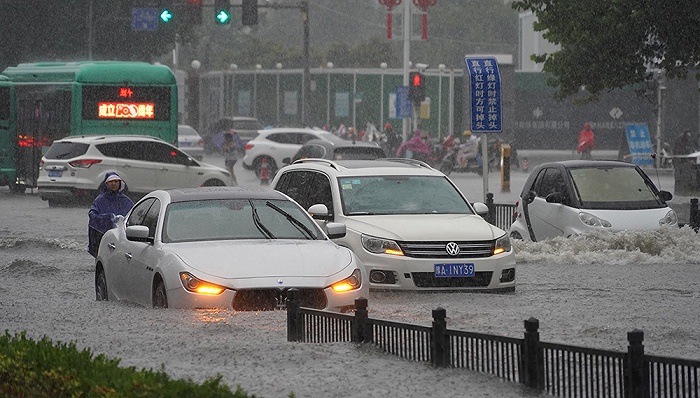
<point x="481" y="208"/>
<point x="665" y="195"/>
<point x="287" y="160"/>
<point x="319" y="211"/>
<point x="335" y="230"/>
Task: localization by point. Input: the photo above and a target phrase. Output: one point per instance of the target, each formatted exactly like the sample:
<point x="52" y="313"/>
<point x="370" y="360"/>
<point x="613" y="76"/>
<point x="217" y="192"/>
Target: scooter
<point x="449" y="163"/>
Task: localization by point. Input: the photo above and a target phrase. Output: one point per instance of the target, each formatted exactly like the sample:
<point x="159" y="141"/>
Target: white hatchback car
<point x="574" y="196"/>
<point x="74" y="167"/>
<point x="276" y="144"/>
<point x="190" y="142"/>
<point x="408" y="223"/>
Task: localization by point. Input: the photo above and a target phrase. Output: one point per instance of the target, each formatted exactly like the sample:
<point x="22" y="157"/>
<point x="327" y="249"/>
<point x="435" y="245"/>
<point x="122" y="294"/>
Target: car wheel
<point x="101" y="285"/>
<point x="160" y="298"/>
<point x="213" y="183"/>
<point x="271" y="166"/>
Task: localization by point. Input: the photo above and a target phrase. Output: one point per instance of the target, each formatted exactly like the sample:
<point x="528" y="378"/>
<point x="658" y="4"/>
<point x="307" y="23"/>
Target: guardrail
<point x="559" y="369"/>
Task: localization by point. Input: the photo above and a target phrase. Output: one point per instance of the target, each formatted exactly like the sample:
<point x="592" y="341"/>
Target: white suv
<point x="74" y="167"/>
<point x="277" y="144"/>
<point x="408" y="223"/>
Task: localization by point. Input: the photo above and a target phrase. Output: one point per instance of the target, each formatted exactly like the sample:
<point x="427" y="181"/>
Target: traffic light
<point x="165" y="12"/>
<point x="222" y="12"/>
<point x="249" y="12"/>
<point x="416" y="86"/>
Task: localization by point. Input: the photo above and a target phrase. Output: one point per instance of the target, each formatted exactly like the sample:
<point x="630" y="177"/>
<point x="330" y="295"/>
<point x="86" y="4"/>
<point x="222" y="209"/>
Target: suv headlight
<point x="669" y="219"/>
<point x="381" y="246"/>
<point x="592" y="221"/>
<point x="502" y="245"/>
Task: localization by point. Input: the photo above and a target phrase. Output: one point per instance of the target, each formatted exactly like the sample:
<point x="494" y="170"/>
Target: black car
<point x="337" y="149"/>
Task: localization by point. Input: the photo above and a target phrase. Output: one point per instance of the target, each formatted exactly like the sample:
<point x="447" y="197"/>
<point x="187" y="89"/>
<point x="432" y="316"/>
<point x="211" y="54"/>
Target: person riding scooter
<point x="468" y="150"/>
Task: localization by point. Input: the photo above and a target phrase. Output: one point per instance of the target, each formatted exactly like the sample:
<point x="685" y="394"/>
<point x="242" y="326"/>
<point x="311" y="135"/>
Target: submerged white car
<point x="224" y="247"/>
<point x="408" y="223"/>
<point x="574" y="196"/>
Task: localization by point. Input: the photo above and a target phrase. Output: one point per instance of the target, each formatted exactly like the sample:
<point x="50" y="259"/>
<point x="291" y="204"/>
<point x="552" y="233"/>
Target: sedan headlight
<point x="593" y="221"/>
<point x="192" y="284"/>
<point x="352" y="282"/>
<point x="502" y="245"/>
<point x="669" y="219"/>
<point x="381" y="246"/>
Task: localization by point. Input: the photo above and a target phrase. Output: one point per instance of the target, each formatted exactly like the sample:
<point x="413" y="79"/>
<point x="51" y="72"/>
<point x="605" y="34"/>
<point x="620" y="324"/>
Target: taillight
<point x="84" y="163"/>
<point x="248" y="147"/>
<point x="515" y="213"/>
<point x="201" y="142"/>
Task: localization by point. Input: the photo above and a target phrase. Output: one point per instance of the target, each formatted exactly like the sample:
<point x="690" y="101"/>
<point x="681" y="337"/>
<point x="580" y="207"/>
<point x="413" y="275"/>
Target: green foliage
<point x="611" y="44"/>
<point x="31" y="368"/>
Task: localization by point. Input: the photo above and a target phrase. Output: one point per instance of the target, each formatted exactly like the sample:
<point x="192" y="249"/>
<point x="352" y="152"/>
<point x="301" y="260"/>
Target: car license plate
<point x="55" y="173"/>
<point x="454" y="269"/>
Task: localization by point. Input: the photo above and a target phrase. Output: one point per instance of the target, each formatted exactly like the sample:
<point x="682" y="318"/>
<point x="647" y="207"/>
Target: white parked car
<point x="74" y="167"/>
<point x="408" y="223"/>
<point x="225" y="247"/>
<point x="190" y="142"/>
<point x="276" y="144"/>
<point x="574" y="196"/>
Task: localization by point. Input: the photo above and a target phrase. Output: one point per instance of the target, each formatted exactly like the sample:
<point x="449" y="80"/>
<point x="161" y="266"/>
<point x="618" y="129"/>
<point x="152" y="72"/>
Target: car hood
<point x="251" y="259"/>
<point x="421" y="227"/>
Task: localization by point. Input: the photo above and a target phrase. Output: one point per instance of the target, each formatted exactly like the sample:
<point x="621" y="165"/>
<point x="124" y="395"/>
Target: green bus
<point x="53" y="100"/>
<point x="8" y="134"/>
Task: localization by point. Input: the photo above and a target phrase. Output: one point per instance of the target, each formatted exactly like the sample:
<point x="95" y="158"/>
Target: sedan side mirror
<point x="138" y="233"/>
<point x="335" y="230"/>
<point x="665" y="196"/>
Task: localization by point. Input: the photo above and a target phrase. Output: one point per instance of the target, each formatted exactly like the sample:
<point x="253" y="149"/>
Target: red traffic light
<point x="416" y="86"/>
<point x="417" y="79"/>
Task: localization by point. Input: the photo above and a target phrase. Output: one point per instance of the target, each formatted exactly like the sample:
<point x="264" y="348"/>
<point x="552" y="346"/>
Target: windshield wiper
<point x="256" y="219"/>
<point x="298" y="224"/>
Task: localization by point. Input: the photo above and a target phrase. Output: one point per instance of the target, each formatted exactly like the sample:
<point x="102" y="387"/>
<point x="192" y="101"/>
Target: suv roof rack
<point x="413" y="162"/>
<point x="328" y="162"/>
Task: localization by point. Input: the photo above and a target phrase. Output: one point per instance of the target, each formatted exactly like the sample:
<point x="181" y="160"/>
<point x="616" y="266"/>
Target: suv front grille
<point x="467" y="249"/>
<point x="428" y="279"/>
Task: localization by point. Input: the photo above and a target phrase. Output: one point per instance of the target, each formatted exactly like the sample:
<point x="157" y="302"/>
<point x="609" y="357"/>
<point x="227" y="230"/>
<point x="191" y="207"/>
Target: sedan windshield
<point x="401" y="195"/>
<point x="237" y="219"/>
<point x="613" y="188"/>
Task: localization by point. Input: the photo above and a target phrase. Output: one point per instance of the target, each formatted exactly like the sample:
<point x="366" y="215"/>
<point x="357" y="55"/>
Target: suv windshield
<point x="66" y="150"/>
<point x="400" y="195"/>
<point x="613" y="188"/>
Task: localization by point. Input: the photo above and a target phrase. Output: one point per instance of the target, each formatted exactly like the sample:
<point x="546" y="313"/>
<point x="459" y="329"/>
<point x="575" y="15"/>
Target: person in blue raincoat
<point x="109" y="204"/>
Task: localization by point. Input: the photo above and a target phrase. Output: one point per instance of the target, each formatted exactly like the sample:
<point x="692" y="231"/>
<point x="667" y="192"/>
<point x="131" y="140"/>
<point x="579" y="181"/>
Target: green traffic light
<point x="223" y="17"/>
<point x="166" y="16"/>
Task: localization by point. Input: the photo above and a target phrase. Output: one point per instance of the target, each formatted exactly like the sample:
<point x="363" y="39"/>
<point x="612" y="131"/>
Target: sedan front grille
<point x="272" y="299"/>
<point x="428" y="279"/>
<point x="467" y="249"/>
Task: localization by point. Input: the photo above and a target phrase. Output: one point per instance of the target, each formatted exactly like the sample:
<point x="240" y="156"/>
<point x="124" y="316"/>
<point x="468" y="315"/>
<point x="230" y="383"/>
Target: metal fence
<point x="560" y="370"/>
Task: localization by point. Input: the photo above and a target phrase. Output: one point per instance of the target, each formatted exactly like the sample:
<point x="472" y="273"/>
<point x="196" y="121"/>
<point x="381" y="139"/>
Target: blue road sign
<point x="403" y="103"/>
<point x="144" y="19"/>
<point x="485" y="85"/>
<point x="639" y="143"/>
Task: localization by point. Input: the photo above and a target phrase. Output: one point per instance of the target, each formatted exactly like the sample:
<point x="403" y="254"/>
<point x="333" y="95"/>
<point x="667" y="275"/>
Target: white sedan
<point x="225" y="247"/>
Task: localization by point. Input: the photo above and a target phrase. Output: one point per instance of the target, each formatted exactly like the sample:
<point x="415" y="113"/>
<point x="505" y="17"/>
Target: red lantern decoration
<point x="389" y="4"/>
<point x="423" y="5"/>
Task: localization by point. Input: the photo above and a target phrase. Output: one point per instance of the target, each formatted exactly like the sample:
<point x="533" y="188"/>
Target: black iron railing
<point x="559" y="369"/>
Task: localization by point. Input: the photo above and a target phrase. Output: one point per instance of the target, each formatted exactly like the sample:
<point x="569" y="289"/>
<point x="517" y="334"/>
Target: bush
<point x="41" y="368"/>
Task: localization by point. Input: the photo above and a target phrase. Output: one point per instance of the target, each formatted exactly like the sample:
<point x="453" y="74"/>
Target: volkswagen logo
<point x="452" y="249"/>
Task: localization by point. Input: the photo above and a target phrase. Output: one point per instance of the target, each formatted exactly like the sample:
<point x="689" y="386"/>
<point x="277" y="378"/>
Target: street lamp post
<point x="661" y="79"/>
<point x="258" y="67"/>
<point x="278" y="66"/>
<point x="193" y="95"/>
<point x="328" y="95"/>
<point x="441" y="68"/>
<point x="383" y="66"/>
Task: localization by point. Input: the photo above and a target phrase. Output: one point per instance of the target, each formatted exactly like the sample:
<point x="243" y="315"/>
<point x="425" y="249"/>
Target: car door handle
<point x="126" y="165"/>
<point x="111" y="246"/>
<point x="128" y="256"/>
<point x="164" y="169"/>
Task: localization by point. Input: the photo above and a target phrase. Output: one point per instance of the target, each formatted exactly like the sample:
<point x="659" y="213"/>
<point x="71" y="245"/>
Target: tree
<point x="611" y="44"/>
